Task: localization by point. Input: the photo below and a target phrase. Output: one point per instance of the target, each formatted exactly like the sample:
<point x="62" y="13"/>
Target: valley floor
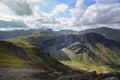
<point x="89" y="67"/>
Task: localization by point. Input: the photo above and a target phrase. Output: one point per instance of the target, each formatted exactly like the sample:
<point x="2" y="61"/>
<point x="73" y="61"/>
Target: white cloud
<point x="36" y="1"/>
<point x="59" y="8"/>
<point x="42" y="19"/>
<point x="5" y="9"/>
<point x="20" y="7"/>
<point x="102" y="13"/>
<point x="78" y="11"/>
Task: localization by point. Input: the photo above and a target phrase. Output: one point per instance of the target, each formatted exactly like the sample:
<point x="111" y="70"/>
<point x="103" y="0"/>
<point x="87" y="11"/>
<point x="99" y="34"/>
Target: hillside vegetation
<point x="27" y="56"/>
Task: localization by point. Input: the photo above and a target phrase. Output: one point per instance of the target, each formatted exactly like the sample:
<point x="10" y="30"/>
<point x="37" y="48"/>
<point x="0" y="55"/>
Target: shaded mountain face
<point x="87" y="48"/>
<point x="107" y="32"/>
<point x="15" y="33"/>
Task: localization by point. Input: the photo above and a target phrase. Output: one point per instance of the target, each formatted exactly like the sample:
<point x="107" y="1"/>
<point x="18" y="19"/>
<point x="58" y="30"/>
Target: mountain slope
<point x="87" y="48"/>
<point x="80" y="47"/>
<point x="28" y="56"/>
<point x="35" y="38"/>
<point x="30" y="63"/>
<point x="107" y="32"/>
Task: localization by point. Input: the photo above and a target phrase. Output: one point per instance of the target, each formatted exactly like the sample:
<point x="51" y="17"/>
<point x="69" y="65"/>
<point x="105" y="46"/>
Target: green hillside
<point x="27" y="56"/>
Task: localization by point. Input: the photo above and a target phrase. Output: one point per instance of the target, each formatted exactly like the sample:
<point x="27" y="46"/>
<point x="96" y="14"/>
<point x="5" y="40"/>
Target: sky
<point x="59" y="14"/>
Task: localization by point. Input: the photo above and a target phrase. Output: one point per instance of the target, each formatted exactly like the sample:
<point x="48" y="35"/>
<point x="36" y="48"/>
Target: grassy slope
<point x="35" y="59"/>
<point x="35" y="38"/>
<point x="6" y="59"/>
<point x="89" y="67"/>
<point x="107" y="63"/>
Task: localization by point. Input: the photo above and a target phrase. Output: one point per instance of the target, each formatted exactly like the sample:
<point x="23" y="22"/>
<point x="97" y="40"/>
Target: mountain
<point x="107" y="32"/>
<point x="17" y="33"/>
<point x="87" y="47"/>
<point x="85" y="52"/>
<point x="35" y="38"/>
<point x="26" y="60"/>
<point x="30" y="63"/>
<point x="65" y="32"/>
<point x="21" y="55"/>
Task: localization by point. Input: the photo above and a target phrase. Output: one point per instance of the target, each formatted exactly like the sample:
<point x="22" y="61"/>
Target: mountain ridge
<point x="105" y="31"/>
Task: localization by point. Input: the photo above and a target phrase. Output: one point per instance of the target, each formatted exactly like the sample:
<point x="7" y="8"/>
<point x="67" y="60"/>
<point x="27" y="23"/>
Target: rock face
<point x="86" y="47"/>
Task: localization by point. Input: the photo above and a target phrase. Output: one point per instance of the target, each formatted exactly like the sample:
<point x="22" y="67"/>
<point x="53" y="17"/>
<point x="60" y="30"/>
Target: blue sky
<point x="89" y="2"/>
<point x="71" y="3"/>
<point x="52" y="3"/>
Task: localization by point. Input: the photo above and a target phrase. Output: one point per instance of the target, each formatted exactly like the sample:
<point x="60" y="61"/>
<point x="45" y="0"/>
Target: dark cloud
<point x="20" y="7"/>
<point x="13" y="23"/>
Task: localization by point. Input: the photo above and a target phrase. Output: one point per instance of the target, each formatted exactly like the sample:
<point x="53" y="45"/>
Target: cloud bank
<point x="27" y="14"/>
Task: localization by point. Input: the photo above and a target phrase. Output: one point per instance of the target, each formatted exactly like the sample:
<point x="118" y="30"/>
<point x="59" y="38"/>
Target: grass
<point x="89" y="67"/>
<point x="6" y="60"/>
<point x="33" y="58"/>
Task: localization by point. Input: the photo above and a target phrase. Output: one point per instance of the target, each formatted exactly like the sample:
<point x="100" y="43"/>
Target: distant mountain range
<point x="17" y="33"/>
<point x="107" y="32"/>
